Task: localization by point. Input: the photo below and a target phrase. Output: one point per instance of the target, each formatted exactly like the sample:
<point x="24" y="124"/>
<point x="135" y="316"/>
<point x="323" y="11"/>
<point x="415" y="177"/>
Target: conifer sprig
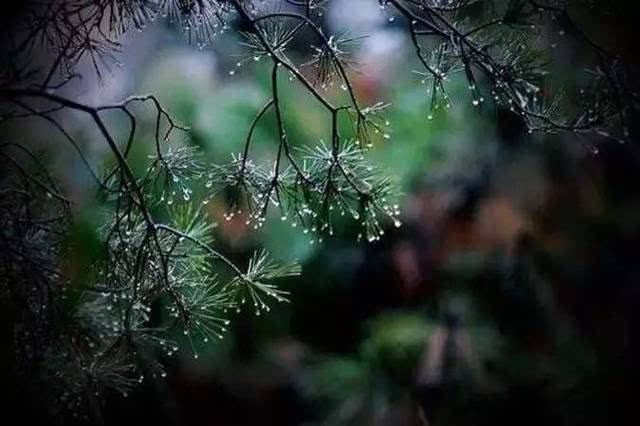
<point x="91" y="314"/>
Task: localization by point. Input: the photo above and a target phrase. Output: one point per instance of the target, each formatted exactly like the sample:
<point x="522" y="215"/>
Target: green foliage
<point x="395" y="345"/>
<point x="106" y="300"/>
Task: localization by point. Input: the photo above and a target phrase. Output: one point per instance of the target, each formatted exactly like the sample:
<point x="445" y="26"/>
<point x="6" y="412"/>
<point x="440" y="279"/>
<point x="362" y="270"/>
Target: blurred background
<point x="508" y="296"/>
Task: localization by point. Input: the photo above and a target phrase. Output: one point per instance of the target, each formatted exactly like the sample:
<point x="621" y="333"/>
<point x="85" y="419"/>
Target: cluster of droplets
<point x="318" y="228"/>
<point x="174" y="171"/>
<point x="369" y="124"/>
<point x="253" y="58"/>
<point x="477" y="99"/>
<point x="327" y="61"/>
<point x="372" y="230"/>
<point x="168" y="347"/>
<point x="328" y="185"/>
<point x="202" y="306"/>
<point x="204" y="325"/>
<point x="255" y="282"/>
<point x="258" y="305"/>
<point x="201" y="21"/>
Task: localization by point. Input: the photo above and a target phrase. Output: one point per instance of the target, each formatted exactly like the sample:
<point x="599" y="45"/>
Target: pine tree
<point x="85" y="334"/>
